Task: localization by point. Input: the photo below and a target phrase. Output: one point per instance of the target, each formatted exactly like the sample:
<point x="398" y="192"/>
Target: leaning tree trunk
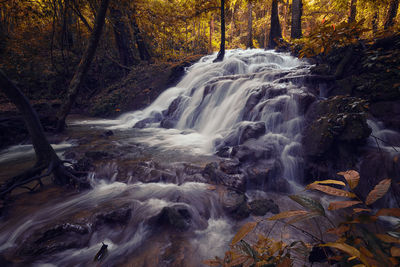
<point x="275" y="32"/>
<point x="122" y="37"/>
<point x="221" y="52"/>
<point x="297" y="12"/>
<point x="353" y="11"/>
<point x="44" y="152"/>
<point x="46" y="157"/>
<point x="83" y="66"/>
<point x="391" y="15"/>
<point x="250" y="26"/>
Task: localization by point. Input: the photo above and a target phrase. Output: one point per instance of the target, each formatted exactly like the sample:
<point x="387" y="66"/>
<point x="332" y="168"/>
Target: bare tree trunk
<point x="265" y="31"/>
<point x="285" y="11"/>
<point x="221" y="52"/>
<point x="275" y="31"/>
<point x="375" y="21"/>
<point x="83" y="66"/>
<point x="46" y="157"/>
<point x="297" y="12"/>
<point x="353" y="11"/>
<point x="122" y="37"/>
<point x="43" y="149"/>
<point x="250" y="26"/>
<point x="391" y="15"/>
<point x="211" y="33"/>
<point x="141" y="45"/>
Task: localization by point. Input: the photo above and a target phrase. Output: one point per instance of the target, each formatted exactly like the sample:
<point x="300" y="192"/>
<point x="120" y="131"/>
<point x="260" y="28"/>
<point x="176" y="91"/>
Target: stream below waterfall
<point x="173" y="182"/>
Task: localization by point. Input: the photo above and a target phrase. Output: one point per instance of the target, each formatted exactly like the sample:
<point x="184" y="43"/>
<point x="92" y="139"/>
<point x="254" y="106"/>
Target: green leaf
<point x="309" y="203"/>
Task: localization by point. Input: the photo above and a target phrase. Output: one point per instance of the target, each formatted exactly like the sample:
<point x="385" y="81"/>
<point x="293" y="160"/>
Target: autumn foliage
<point x="361" y="240"/>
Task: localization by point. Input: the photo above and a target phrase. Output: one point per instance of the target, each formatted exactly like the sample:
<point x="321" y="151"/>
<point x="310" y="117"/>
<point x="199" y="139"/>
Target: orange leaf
<point x="329" y="182"/>
<point x="287" y="214"/>
<point x="248" y="262"/>
<point x="395" y="212"/>
<point x="287" y="262"/>
<point x="238" y="261"/>
<point x="244" y="231"/>
<point x="395" y="251"/>
<point x="331" y="190"/>
<point x="352" y="177"/>
<point x="357" y="210"/>
<point x="366" y="252"/>
<point x="339" y="231"/>
<point x="213" y="262"/>
<point x="336" y="258"/>
<point x="352" y="251"/>
<point x="388" y="238"/>
<point x="342" y="204"/>
<point x="378" y="191"/>
<point x="394" y="261"/>
<point x="211" y="187"/>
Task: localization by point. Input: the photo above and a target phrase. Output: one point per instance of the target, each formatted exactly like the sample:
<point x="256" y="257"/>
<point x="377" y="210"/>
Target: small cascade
<point x="125" y="217"/>
<point x="382" y="138"/>
<point x="254" y="98"/>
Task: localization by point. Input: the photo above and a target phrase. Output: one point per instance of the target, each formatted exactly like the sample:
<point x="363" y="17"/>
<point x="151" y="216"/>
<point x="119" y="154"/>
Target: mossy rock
<point x="335" y="120"/>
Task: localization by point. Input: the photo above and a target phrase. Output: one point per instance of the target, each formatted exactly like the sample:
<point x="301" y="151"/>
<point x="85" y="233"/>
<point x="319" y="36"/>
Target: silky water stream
<point x="235" y="124"/>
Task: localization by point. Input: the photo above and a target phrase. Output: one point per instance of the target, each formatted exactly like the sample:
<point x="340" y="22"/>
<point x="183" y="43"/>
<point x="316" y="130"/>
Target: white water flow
<point x="219" y="105"/>
<point x="252" y="101"/>
<point x="76" y="214"/>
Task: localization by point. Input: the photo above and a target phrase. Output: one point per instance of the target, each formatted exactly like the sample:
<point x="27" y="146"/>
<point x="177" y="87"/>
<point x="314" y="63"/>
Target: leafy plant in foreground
<point x="361" y="241"/>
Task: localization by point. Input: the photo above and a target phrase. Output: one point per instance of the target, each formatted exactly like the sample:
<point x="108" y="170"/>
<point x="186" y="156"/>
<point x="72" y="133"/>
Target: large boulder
<point x="56" y="238"/>
<point x="235" y="204"/>
<point x="335" y="129"/>
<point x="388" y="112"/>
<point x="252" y="130"/>
<point x="213" y="174"/>
<point x="260" y="207"/>
<point x="117" y="217"/>
<point x="376" y="165"/>
<point x="339" y="119"/>
<point x="178" y="217"/>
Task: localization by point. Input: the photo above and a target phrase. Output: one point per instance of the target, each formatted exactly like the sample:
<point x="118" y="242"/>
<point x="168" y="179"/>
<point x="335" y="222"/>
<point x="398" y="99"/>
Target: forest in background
<point x="41" y="41"/>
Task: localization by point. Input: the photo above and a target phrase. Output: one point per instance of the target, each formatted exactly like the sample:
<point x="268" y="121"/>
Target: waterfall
<point x="242" y="116"/>
<point x="252" y="98"/>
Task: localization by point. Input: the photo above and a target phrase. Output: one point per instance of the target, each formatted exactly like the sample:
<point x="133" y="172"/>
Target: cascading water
<point x="248" y="108"/>
<point x="252" y="94"/>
